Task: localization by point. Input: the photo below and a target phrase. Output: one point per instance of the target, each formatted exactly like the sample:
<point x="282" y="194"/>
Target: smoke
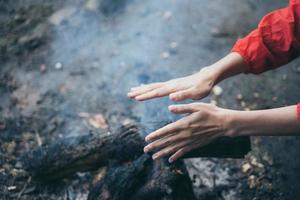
<point x="115" y="47"/>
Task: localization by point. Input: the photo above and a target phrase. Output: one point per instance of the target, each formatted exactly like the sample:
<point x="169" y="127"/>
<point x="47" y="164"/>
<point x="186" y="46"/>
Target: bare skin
<point x="195" y="86"/>
<point x="204" y="122"/>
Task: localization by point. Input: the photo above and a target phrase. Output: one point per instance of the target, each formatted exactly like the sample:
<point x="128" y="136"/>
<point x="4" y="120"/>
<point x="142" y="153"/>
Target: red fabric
<point x="298" y="110"/>
<point x="275" y="42"/>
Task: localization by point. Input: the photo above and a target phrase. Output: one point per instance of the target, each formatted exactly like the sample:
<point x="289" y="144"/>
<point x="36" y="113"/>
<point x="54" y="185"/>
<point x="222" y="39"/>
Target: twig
<point x="24" y="187"/>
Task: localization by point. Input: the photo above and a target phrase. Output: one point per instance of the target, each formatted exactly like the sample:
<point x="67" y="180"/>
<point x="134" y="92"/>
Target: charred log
<point x="83" y="153"/>
<point x="90" y="152"/>
<point x="144" y="179"/>
<point x="224" y="147"/>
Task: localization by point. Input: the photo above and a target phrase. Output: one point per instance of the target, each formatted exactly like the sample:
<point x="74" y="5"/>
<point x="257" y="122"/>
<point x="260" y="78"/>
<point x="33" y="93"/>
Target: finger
<point x="169" y="150"/>
<point x="143" y="89"/>
<point x="158" y="92"/>
<point x="182" y="95"/>
<point x="173" y="127"/>
<point x="146" y="85"/>
<point x="179" y="154"/>
<point x="166" y="141"/>
<point x="184" y="108"/>
<point x="194" y="145"/>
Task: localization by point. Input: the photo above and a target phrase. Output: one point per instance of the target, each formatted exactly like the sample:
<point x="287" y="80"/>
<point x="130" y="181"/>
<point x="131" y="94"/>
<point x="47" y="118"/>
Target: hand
<point x="204" y="123"/>
<point x="195" y="86"/>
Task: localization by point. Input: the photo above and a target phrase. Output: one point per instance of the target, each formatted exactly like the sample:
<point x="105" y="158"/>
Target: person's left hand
<point x="204" y="123"/>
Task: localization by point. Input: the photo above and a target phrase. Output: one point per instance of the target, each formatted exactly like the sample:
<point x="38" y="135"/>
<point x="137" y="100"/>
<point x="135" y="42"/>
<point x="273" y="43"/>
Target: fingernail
<point x="172" y="107"/>
<point x="146" y="149"/>
<point x="154" y="157"/>
<point x="171" y="160"/>
<point x="172" y="97"/>
<point x="147" y="139"/>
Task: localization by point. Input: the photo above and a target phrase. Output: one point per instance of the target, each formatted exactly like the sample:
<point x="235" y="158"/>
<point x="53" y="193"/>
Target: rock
<point x="239" y="97"/>
<point x="165" y="55"/>
<point x="217" y="90"/>
<point x="58" y="65"/>
<point x="173" y="45"/>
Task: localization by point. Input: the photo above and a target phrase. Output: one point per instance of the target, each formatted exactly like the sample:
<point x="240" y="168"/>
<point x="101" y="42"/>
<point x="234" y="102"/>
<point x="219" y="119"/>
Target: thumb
<point x="183" y="108"/>
<point x="182" y="95"/>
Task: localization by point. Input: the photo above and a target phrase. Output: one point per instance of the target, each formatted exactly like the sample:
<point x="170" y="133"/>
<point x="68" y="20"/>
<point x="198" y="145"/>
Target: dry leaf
<point x="101" y="173"/>
<point x="98" y="121"/>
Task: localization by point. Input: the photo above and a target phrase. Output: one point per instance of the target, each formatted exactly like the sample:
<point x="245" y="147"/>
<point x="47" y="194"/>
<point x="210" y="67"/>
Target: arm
<point x="206" y="122"/>
<point x="275" y="42"/>
<point x="278" y="121"/>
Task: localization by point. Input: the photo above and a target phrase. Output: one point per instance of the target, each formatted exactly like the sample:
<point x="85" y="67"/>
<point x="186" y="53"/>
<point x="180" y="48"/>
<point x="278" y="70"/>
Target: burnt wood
<point x="84" y="153"/>
<point x="144" y="179"/>
<point x="90" y="152"/>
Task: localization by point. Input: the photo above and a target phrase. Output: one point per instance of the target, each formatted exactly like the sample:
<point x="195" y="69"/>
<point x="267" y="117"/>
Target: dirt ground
<point x="66" y="67"/>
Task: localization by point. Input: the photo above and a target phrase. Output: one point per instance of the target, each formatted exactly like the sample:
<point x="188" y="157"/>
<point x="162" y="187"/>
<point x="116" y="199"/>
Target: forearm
<point x="279" y="121"/>
<point x="230" y="65"/>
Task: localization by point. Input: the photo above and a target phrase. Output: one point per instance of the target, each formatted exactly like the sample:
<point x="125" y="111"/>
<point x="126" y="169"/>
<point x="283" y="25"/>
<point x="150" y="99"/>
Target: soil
<point x="66" y="67"/>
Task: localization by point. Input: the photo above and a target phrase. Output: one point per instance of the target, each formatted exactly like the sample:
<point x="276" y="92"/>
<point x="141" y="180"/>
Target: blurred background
<point x="66" y="67"/>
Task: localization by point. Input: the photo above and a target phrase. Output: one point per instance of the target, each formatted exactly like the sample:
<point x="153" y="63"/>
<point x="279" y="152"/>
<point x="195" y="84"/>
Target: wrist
<point x="236" y="123"/>
<point x="212" y="74"/>
<point x="230" y="65"/>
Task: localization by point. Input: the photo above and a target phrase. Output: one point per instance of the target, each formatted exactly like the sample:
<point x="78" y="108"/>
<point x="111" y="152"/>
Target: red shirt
<point x="275" y="42"/>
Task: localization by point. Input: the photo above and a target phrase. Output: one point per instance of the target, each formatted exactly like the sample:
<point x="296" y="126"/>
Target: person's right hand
<point x="194" y="87"/>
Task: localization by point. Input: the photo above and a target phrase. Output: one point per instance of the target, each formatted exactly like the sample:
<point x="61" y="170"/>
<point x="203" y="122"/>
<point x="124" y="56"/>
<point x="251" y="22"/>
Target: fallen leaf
<point x="98" y="121"/>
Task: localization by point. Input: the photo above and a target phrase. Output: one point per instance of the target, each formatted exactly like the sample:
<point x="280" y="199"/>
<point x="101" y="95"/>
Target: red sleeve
<point x="275" y="42"/>
<point x="298" y="110"/>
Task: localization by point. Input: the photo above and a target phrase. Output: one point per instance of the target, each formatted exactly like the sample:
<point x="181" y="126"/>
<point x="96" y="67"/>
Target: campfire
<point x="125" y="171"/>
